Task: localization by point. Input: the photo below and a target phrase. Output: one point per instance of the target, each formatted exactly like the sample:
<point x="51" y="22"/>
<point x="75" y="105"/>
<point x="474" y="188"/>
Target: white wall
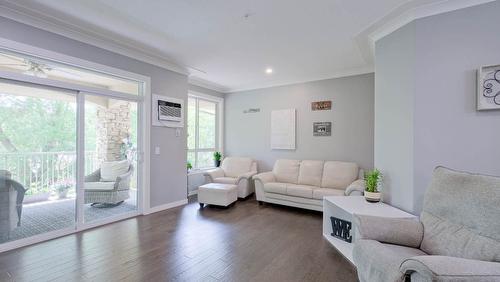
<point x="168" y="170"/>
<point x="351" y="114"/>
<point x="436" y="77"/>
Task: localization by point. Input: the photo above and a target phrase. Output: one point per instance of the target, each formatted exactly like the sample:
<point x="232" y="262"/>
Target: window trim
<point x="219" y="126"/>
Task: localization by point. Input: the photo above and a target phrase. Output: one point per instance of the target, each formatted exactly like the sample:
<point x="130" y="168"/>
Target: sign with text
<point x="321" y="106"/>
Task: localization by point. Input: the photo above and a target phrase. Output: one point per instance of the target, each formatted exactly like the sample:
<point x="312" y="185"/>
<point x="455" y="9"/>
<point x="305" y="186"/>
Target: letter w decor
<point x="341" y="229"/>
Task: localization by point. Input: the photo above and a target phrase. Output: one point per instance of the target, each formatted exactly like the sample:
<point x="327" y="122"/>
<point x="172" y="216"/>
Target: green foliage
<point x="372" y="180"/>
<point x="217" y="156"/>
<point x="189" y="166"/>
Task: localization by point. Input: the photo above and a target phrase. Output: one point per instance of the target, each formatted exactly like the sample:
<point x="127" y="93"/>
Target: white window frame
<point x="219" y="126"/>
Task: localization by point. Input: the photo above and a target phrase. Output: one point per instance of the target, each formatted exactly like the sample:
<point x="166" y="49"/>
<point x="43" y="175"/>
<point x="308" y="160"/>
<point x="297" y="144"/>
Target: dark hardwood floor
<point x="246" y="242"/>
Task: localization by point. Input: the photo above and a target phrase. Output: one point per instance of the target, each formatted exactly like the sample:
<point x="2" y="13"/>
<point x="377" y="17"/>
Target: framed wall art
<point x="488" y="88"/>
<point x="322" y="128"/>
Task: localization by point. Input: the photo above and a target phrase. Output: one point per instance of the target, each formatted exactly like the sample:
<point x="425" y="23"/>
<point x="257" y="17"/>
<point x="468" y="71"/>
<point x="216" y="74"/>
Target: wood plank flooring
<point x="246" y="242"/>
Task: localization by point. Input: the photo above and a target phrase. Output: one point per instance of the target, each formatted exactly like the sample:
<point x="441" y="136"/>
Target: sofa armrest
<point x="400" y="231"/>
<point x="265" y="177"/>
<point x="94" y="176"/>
<point x="123" y="181"/>
<point x="443" y="268"/>
<point x="357" y="188"/>
<point x="212" y="174"/>
<point x="246" y="176"/>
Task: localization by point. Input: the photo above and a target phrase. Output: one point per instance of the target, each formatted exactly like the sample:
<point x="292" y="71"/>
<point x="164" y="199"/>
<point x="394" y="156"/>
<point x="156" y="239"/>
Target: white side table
<point x="341" y="208"/>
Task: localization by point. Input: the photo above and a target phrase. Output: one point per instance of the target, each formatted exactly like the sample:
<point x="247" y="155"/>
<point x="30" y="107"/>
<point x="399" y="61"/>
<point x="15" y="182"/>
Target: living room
<point x="236" y="141"/>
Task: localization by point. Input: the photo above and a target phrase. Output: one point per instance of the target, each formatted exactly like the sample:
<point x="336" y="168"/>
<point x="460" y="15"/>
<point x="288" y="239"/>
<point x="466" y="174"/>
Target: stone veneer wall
<point x="113" y="125"/>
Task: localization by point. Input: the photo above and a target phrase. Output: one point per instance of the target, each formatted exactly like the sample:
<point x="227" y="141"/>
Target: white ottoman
<point x="217" y="194"/>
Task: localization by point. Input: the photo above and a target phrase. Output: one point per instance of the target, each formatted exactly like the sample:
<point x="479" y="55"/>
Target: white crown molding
<point x="339" y="74"/>
<point x="402" y="16"/>
<point x="194" y="80"/>
<point x="108" y="41"/>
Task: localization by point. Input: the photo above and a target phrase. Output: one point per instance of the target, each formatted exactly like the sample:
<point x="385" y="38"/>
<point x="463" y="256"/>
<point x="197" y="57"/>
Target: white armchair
<point x="237" y="171"/>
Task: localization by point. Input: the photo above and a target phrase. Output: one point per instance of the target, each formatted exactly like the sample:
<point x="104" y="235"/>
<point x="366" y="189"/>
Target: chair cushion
<point x="338" y="175"/>
<point x="376" y="261"/>
<point x="234" y="167"/>
<point x="111" y="170"/>
<point x="225" y="180"/>
<point x="461" y="215"/>
<point x="319" y="193"/>
<point x="99" y="186"/>
<point x="302" y="191"/>
<point x="310" y="172"/>
<point x="274" y="187"/>
<point x="286" y="171"/>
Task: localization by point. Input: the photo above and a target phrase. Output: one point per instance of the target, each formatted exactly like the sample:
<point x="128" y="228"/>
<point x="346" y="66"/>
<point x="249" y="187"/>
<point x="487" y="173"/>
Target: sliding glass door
<point x="38" y="153"/>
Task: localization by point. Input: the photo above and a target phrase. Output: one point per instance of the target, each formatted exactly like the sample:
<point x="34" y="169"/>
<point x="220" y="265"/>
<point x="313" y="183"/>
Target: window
<point x="203" y="130"/>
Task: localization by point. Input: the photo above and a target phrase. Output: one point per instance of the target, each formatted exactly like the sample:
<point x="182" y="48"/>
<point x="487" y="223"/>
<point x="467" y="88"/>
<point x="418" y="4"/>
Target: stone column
<point x="113" y="125"/>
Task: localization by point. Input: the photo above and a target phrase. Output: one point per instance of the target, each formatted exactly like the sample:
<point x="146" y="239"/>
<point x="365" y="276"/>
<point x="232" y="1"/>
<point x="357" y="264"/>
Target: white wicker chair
<point x="115" y="196"/>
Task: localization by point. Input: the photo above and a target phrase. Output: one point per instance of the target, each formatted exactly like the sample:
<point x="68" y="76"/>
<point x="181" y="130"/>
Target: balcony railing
<point x="40" y="171"/>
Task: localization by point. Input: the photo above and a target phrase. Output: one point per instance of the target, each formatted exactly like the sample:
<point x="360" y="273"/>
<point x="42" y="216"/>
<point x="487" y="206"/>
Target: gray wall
<point x="447" y="129"/>
<point x="168" y="170"/>
<point x="351" y="114"/>
<point x="206" y="91"/>
<point x="394" y="101"/>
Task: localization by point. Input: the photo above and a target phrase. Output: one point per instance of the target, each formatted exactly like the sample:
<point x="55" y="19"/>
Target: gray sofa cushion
<point x="376" y="261"/>
<point x="461" y="215"/>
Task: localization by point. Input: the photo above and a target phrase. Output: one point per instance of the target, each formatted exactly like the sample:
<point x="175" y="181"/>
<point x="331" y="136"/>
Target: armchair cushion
<point x="286" y="171"/>
<point x="234" y="167"/>
<point x="225" y="180"/>
<point x="399" y="231"/>
<point x="443" y="268"/>
<point x="99" y="186"/>
<point x="111" y="170"/>
<point x="376" y="261"/>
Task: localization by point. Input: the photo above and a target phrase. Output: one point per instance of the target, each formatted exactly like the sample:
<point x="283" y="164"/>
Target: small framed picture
<point x="321" y="106"/>
<point x="322" y="128"/>
<point x="488" y="88"/>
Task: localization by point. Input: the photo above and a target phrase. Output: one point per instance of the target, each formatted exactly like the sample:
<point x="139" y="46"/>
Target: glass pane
<point x="110" y="186"/>
<point x="46" y="69"/>
<point x="207" y="124"/>
<point x="205" y="159"/>
<point x="191" y="141"/>
<point x="37" y="160"/>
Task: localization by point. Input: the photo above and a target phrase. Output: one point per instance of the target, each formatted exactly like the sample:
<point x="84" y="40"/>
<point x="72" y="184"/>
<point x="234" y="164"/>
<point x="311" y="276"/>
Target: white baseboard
<point x="194" y="192"/>
<point x="166" y="206"/>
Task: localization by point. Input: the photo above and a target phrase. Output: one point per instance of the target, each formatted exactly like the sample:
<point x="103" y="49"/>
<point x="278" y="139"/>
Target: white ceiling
<point x="228" y="44"/>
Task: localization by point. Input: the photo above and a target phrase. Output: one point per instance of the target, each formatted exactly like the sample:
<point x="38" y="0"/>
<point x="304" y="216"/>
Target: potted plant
<point x="62" y="188"/>
<point x="189" y="166"/>
<point x="372" y="181"/>
<point x="217" y="159"/>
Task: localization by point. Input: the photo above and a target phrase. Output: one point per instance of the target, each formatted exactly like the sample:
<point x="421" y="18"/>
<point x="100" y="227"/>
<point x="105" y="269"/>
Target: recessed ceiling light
<point x="269" y="70"/>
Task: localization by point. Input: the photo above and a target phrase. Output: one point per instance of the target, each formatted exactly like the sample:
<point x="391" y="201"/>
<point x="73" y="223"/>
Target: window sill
<point x="200" y="170"/>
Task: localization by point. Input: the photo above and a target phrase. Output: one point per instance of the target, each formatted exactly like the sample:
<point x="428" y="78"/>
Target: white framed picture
<point x="283" y="129"/>
<point x="488" y="88"/>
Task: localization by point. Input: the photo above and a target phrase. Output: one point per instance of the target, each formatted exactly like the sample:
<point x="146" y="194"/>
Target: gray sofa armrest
<point x="398" y="231"/>
<point x="246" y="176"/>
<point x="94" y="176"/>
<point x="265" y="177"/>
<point x="443" y="268"/>
<point x="212" y="174"/>
<point x="357" y="188"/>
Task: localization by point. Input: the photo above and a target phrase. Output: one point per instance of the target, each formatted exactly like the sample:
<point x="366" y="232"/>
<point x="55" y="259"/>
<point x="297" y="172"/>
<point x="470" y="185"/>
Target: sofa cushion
<point x="338" y="175"/>
<point x="461" y="215"/>
<point x="302" y="191"/>
<point x="234" y="167"/>
<point x="111" y="170"/>
<point x="310" y="172"/>
<point x="274" y="187"/>
<point x="286" y="171"/>
<point x="225" y="180"/>
<point x="376" y="261"/>
<point x="99" y="186"/>
<point x="319" y="193"/>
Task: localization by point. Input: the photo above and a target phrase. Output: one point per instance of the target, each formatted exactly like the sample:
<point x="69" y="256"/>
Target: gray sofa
<point x="456" y="239"/>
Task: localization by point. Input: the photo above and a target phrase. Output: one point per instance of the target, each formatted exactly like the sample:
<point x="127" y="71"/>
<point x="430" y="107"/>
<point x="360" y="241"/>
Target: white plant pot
<point x="372" y="197"/>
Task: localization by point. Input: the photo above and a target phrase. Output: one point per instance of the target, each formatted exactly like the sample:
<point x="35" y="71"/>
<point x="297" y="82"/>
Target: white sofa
<point x="236" y="171"/>
<point x="303" y="184"/>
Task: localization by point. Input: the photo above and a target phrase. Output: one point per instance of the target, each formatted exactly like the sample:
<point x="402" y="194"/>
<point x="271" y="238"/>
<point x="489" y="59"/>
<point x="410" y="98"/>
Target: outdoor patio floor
<point x="39" y="218"/>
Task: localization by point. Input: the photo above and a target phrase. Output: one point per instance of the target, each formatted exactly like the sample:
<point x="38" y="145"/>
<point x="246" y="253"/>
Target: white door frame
<point x="144" y="120"/>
